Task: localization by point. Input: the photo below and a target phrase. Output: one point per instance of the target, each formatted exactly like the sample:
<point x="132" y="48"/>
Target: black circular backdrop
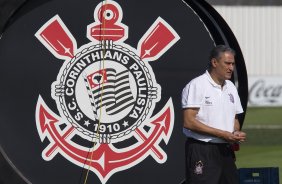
<point x="28" y="69"/>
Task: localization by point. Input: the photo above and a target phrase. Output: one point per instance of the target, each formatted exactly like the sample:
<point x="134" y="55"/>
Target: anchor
<point x="106" y="158"/>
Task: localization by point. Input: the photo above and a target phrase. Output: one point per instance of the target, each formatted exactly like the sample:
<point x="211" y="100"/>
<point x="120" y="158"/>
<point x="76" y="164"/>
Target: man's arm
<point x="191" y="123"/>
<point x="237" y="126"/>
<point x="237" y="130"/>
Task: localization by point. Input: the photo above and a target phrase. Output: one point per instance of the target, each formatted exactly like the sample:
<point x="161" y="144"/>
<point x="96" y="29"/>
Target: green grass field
<point x="263" y="116"/>
<point x="263" y="147"/>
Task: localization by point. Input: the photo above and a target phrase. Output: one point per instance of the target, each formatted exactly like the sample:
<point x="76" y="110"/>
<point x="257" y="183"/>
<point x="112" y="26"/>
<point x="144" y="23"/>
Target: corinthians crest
<point x="105" y="93"/>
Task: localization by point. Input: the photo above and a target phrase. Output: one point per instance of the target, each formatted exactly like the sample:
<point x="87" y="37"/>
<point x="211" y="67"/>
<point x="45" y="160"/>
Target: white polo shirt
<point x="217" y="106"/>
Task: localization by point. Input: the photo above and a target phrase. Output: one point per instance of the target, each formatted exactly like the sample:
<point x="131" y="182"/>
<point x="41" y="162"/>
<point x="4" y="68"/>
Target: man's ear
<point x="213" y="62"/>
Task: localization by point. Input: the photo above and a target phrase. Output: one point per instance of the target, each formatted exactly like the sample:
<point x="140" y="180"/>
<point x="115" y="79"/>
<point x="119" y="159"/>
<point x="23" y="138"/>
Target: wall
<point x="258" y="31"/>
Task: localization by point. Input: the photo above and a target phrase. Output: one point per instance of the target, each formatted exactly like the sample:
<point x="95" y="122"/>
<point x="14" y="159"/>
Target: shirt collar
<point x="213" y="82"/>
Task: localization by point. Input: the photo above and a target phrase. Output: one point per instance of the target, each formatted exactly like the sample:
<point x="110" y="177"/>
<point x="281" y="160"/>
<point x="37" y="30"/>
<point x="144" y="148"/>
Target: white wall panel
<point x="258" y="30"/>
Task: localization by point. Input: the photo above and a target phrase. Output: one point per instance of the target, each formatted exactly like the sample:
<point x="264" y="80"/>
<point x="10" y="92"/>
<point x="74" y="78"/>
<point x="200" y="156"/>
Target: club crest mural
<point x="106" y="92"/>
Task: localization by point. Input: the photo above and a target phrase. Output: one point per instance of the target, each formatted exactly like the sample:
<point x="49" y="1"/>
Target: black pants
<point x="210" y="163"/>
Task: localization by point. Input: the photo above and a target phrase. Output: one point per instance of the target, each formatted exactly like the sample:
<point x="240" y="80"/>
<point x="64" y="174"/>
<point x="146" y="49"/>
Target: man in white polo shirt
<point x="210" y="105"/>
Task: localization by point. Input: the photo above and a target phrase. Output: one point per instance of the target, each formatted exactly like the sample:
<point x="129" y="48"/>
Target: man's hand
<point x="240" y="135"/>
<point x="237" y="136"/>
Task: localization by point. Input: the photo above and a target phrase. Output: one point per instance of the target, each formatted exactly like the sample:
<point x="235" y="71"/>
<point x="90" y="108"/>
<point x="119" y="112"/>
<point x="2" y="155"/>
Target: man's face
<point x="224" y="66"/>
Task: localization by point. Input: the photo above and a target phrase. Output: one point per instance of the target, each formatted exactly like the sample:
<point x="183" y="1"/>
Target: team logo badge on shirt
<point x="105" y="93"/>
<point x="231" y="97"/>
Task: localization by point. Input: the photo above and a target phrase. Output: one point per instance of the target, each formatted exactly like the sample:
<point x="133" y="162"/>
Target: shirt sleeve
<point x="192" y="95"/>
<point x="239" y="108"/>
